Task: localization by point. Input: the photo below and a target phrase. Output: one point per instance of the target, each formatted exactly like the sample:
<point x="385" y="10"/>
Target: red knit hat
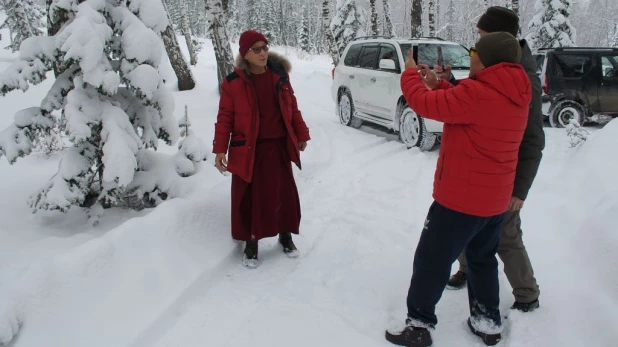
<point x="248" y="39"/>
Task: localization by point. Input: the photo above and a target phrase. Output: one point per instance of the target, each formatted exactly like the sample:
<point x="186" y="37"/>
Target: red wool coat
<point x="484" y="121"/>
<point x="238" y="119"/>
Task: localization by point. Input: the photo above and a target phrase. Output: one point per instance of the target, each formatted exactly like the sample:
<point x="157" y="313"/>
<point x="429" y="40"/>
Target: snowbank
<point x="132" y="273"/>
<point x="591" y="204"/>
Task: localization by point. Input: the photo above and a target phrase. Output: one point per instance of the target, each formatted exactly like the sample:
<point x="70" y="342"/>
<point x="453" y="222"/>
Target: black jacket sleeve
<point x="533" y="143"/>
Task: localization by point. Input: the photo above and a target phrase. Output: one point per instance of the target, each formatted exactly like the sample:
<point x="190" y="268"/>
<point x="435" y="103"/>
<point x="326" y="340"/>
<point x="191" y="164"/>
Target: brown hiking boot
<point x="457" y="281"/>
<point x="526" y="307"/>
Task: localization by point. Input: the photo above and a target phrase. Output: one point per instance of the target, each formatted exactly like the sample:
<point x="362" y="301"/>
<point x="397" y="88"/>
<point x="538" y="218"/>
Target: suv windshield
<point x="454" y="55"/>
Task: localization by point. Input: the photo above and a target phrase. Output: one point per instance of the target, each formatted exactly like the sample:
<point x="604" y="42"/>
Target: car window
<point x="454" y="55"/>
<point x="572" y="65"/>
<point x="369" y="57"/>
<point x="609" y="66"/>
<point x="540" y="60"/>
<point x="389" y="52"/>
<point x="351" y="58"/>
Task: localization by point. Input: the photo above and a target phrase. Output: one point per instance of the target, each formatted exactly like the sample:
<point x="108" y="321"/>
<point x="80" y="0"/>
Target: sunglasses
<point x="472" y="52"/>
<point x="257" y="50"/>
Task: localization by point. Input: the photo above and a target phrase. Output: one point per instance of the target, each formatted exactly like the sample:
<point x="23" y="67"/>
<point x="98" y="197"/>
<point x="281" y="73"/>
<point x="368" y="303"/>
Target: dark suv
<point x="578" y="83"/>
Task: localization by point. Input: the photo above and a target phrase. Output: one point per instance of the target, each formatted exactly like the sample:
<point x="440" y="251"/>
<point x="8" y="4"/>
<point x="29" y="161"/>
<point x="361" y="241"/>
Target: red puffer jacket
<point x="239" y="117"/>
<point x="484" y="121"/>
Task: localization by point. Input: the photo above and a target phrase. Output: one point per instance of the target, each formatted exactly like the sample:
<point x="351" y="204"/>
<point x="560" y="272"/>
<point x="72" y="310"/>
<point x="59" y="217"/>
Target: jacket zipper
<point x="253" y="143"/>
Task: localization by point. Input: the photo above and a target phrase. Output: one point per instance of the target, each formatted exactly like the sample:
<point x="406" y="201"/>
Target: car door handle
<point x="351" y="77"/>
<point x="373" y="79"/>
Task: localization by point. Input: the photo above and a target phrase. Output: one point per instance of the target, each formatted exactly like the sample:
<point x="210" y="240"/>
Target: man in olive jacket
<point x="512" y="251"/>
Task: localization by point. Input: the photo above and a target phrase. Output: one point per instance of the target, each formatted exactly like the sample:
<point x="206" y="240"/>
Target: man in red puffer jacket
<point x="484" y="120"/>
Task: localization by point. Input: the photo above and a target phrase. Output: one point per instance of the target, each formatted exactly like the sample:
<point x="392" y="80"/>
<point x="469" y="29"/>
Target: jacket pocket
<point x="237" y="159"/>
<point x="238" y="143"/>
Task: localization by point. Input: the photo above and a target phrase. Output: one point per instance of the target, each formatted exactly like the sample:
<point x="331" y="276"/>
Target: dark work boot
<point x="250" y="258"/>
<point x="526" y="307"/>
<point x="489" y="339"/>
<point x="410" y="337"/>
<point x="457" y="281"/>
<point x="289" y="248"/>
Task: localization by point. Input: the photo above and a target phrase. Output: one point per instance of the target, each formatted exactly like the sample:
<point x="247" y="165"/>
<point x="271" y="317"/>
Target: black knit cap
<point x="498" y="18"/>
<point x="496" y="48"/>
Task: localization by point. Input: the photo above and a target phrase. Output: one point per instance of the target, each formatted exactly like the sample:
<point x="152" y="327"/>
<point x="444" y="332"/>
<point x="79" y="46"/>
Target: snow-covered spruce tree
<point x="270" y="23"/>
<point x="24" y="20"/>
<point x="303" y="32"/>
<point x="614" y="40"/>
<point x="577" y="134"/>
<point x="191" y="149"/>
<point x="347" y="24"/>
<point x="115" y="107"/>
<point x="551" y="27"/>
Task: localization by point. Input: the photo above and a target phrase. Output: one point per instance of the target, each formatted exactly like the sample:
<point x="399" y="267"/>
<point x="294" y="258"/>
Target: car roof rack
<point x="427" y="38"/>
<point x="579" y="49"/>
<point x="372" y="37"/>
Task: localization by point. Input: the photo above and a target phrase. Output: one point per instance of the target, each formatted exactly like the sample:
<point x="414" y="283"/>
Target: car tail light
<point x="333" y="73"/>
<point x="545" y="86"/>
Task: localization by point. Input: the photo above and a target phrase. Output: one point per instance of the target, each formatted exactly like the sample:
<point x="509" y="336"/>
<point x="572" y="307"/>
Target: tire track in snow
<point x="373" y="150"/>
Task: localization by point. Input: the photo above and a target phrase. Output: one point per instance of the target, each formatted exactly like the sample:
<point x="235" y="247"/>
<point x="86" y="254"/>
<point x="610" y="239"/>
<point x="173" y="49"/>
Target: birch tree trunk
<point x="330" y="39"/>
<point x="186" y="32"/>
<point x="432" y="18"/>
<point x="388" y="29"/>
<point x="374" y="17"/>
<point x="417" y="18"/>
<point x="515" y="5"/>
<point x="225" y="5"/>
<point x="220" y="41"/>
<point x="179" y="64"/>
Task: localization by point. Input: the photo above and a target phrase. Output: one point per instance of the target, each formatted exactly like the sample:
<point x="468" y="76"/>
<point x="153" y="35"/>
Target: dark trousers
<point x="517" y="265"/>
<point x="445" y="235"/>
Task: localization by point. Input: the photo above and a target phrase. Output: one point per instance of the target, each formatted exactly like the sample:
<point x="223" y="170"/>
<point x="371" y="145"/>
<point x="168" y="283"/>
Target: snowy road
<point x="173" y="277"/>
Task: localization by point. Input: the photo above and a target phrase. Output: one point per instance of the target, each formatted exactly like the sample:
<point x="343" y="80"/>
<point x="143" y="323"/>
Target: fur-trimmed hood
<point x="276" y="62"/>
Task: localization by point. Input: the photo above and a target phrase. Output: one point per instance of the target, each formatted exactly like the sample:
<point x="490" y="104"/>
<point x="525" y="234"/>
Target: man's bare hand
<point x="410" y="63"/>
<point x="221" y="162"/>
<point x="443" y="74"/>
<point x="516" y="204"/>
<point x="429" y="77"/>
<point x="302" y="145"/>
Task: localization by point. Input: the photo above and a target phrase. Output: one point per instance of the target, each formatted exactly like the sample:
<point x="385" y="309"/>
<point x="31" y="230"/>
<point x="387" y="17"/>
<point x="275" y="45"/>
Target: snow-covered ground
<point x="172" y="276"/>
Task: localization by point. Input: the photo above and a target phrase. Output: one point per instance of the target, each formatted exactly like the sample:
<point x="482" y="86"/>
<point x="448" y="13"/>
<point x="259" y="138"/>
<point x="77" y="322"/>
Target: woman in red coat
<point x="260" y="125"/>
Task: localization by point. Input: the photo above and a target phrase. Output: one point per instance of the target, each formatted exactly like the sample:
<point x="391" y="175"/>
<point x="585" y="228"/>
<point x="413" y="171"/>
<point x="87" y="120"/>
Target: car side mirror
<point x="387" y="64"/>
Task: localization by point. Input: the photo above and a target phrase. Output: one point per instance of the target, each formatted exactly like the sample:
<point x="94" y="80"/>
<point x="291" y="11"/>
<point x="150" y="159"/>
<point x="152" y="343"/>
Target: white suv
<point x="366" y="84"/>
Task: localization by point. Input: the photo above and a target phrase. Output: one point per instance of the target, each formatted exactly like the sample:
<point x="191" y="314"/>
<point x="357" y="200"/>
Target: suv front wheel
<point x="412" y="131"/>
<point x="346" y="111"/>
<point x="560" y="116"/>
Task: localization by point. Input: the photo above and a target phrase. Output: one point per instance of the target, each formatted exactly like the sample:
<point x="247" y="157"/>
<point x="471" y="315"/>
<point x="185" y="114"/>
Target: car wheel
<point x="346" y="111"/>
<point x="560" y="115"/>
<point x="412" y="131"/>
